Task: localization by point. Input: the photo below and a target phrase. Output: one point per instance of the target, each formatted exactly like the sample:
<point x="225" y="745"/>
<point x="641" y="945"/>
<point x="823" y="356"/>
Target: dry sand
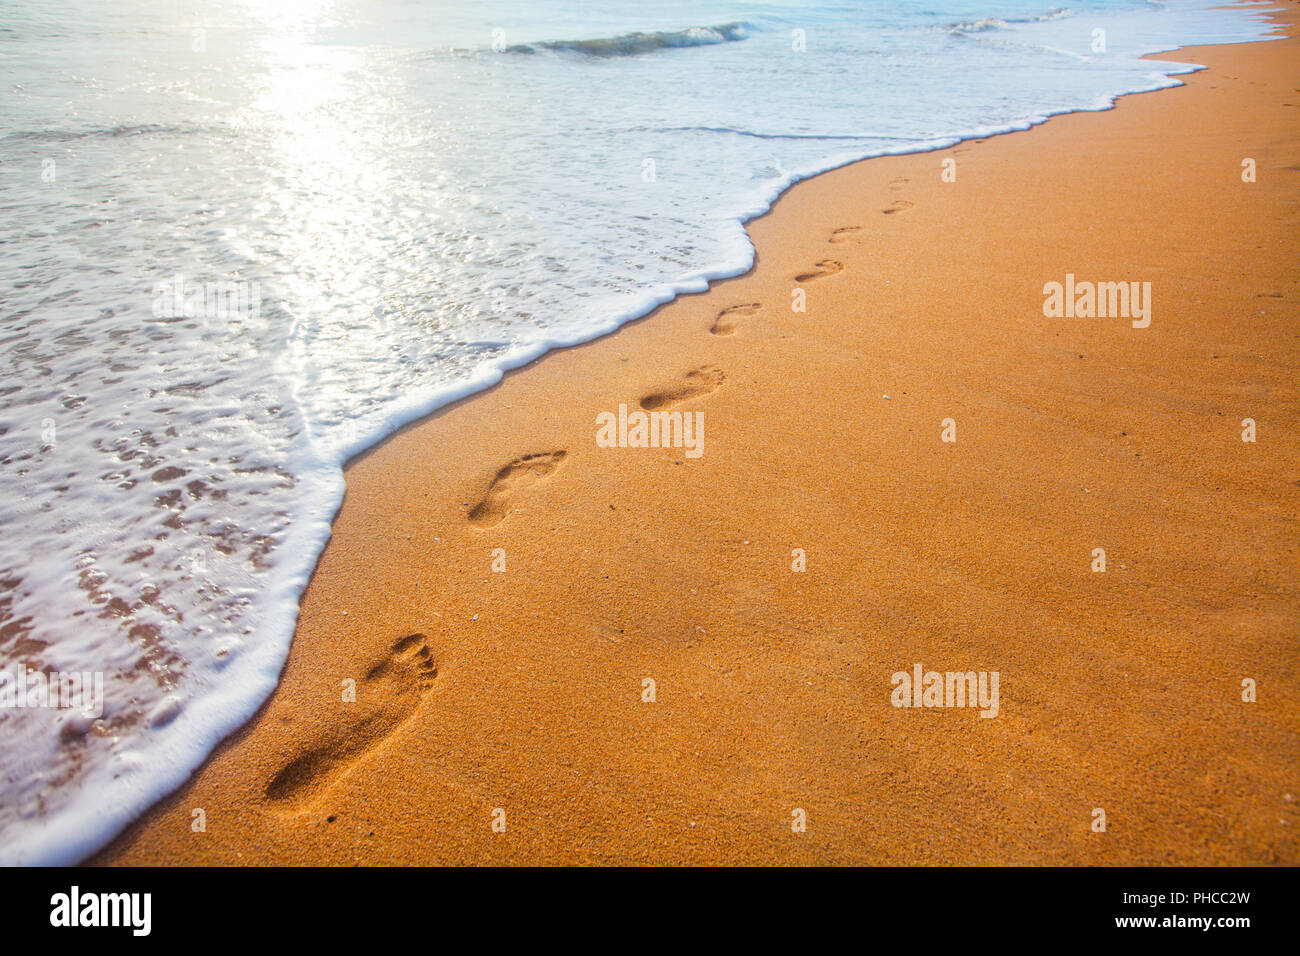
<point x="522" y="690"/>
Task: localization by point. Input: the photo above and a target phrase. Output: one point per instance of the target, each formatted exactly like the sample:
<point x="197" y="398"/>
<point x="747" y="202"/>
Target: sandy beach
<point x="563" y="653"/>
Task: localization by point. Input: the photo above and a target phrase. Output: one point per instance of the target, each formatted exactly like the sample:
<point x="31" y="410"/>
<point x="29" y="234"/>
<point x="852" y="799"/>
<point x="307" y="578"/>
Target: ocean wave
<point x="635" y="44"/>
<point x="999" y="23"/>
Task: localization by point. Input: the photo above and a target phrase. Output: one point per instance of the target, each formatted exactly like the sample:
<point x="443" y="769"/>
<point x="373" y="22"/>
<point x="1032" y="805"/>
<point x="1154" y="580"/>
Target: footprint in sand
<point x="845" y="234"/>
<point x="386" y="698"/>
<point x="898" y="205"/>
<point x="827" y="267"/>
<point x="696" y="382"/>
<point x="723" y="324"/>
<point x="510" y="480"/>
<point x="898" y="184"/>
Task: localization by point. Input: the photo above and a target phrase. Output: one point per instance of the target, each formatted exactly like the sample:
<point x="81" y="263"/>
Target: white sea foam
<point x="421" y="214"/>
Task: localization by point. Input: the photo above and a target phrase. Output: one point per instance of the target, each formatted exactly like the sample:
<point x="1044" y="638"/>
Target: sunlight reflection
<point x="328" y="108"/>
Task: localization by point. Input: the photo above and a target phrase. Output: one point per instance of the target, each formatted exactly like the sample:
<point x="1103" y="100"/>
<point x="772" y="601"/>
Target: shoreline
<point x="290" y="774"/>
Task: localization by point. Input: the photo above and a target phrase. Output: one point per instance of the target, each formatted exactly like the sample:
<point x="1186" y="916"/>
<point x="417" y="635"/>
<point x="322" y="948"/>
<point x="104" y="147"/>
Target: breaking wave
<point x="636" y="44"/>
<point x="999" y="23"/>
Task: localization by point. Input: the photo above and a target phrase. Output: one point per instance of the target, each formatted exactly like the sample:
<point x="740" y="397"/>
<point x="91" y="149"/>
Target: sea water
<point x="242" y="240"/>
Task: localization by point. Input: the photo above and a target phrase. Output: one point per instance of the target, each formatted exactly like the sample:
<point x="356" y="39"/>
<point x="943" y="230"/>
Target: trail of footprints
<point x="528" y="470"/>
<point x="521" y="473"/>
<point x="385" y="700"/>
<point x="391" y="691"/>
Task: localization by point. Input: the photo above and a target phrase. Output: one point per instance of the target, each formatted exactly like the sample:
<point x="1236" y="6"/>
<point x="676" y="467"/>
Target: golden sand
<point x="517" y="696"/>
